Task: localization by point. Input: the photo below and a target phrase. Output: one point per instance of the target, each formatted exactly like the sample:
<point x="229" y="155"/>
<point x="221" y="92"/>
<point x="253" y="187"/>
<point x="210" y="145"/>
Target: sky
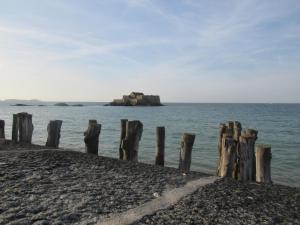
<point x="183" y="50"/>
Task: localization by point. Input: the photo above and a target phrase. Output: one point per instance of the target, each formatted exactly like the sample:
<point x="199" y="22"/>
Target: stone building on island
<point x="137" y="99"/>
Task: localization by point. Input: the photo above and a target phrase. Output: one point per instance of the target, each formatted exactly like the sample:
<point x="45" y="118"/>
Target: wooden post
<point x="160" y="146"/>
<point x="222" y="130"/>
<point x="237" y="129"/>
<point x="185" y="156"/>
<point x="53" y="129"/>
<point x="230" y="128"/>
<point x="25" y="127"/>
<point x="2" y="129"/>
<point x="91" y="137"/>
<point x="15" y="128"/>
<point x="263" y="164"/>
<point x="130" y="143"/>
<point x="227" y="165"/>
<point x="122" y="136"/>
<point x="247" y="156"/>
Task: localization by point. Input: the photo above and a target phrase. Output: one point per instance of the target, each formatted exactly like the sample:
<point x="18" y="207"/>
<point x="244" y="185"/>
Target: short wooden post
<point x="263" y="164"/>
<point x="185" y="156"/>
<point x="227" y="165"/>
<point x="53" y="129"/>
<point x="130" y="143"/>
<point x="247" y="156"/>
<point x="122" y="136"/>
<point x="15" y="128"/>
<point x="25" y="127"/>
<point x="2" y="129"/>
<point x="91" y="137"/>
<point x="160" y="146"/>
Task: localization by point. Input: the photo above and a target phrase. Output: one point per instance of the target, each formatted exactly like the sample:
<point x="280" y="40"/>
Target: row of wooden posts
<point x="237" y="156"/>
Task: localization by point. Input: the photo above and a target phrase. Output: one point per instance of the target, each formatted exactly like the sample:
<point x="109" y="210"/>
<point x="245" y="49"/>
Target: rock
<point x="61" y="104"/>
<point x="136" y="99"/>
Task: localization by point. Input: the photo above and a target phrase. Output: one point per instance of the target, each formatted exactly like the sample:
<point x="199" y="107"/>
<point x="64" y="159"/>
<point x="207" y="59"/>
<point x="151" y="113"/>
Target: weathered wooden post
<point x="2" y="129"/>
<point x="263" y="164"/>
<point x="230" y="128"/>
<point x="122" y="137"/>
<point x="227" y="164"/>
<point x="91" y="137"/>
<point x="160" y="146"/>
<point x="53" y="129"/>
<point x="222" y="130"/>
<point x="15" y="128"/>
<point x="185" y="156"/>
<point x="247" y="155"/>
<point x="130" y="143"/>
<point x="237" y="129"/>
<point x="25" y="127"/>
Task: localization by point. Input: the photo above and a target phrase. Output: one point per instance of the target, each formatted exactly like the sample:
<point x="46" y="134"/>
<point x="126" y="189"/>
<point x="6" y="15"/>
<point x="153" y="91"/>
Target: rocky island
<point x="137" y="99"/>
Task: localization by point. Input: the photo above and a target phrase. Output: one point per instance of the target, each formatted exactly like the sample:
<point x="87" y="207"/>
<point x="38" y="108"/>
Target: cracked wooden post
<point x="247" y="155"/>
<point x="2" y="129"/>
<point x="237" y="129"/>
<point x="122" y="136"/>
<point x="160" y="146"/>
<point x="263" y="164"/>
<point x="230" y="128"/>
<point x="15" y="128"/>
<point x="130" y="143"/>
<point x="91" y="137"/>
<point x="25" y="127"/>
<point x="227" y="164"/>
<point x="53" y="129"/>
<point x="185" y="156"/>
<point x="222" y="130"/>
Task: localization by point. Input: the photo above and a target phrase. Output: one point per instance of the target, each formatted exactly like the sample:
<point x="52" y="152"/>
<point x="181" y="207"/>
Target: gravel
<point x="231" y="202"/>
<point x="10" y="145"/>
<point x="67" y="187"/>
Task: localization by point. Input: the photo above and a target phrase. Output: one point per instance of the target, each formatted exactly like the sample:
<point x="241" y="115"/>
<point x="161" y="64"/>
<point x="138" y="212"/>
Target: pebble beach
<point x="64" y="187"/>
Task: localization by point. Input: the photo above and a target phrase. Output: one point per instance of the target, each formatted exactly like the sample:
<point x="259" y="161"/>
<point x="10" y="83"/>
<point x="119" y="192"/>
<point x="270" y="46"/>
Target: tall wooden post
<point x="130" y="143"/>
<point x="227" y="166"/>
<point x="53" y="129"/>
<point x="160" y="146"/>
<point x="25" y="127"/>
<point x="185" y="156"/>
<point x="247" y="155"/>
<point x="230" y="128"/>
<point x="263" y="164"/>
<point x="91" y="137"/>
<point x="2" y="129"/>
<point x="122" y="137"/>
<point x="237" y="129"/>
<point x="222" y="130"/>
<point x="15" y="128"/>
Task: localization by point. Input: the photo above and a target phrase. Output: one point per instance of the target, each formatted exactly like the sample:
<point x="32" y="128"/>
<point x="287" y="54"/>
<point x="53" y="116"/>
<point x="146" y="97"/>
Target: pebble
<point x="67" y="187"/>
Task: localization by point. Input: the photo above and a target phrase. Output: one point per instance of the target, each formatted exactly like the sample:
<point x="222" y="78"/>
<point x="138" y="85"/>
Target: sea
<point x="278" y="125"/>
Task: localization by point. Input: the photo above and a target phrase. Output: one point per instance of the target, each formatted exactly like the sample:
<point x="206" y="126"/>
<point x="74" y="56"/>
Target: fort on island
<point x="137" y="99"/>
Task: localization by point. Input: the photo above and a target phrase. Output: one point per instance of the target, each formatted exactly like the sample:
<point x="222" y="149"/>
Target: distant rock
<point x="21" y="105"/>
<point x="137" y="99"/>
<point x="77" y="105"/>
<point x="61" y="104"/>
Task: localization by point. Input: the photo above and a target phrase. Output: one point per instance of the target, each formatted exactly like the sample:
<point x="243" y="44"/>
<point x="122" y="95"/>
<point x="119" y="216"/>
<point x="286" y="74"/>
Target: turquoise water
<point x="278" y="125"/>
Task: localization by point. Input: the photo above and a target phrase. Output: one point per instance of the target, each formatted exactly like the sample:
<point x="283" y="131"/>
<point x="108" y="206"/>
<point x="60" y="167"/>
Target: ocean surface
<point x="278" y="125"/>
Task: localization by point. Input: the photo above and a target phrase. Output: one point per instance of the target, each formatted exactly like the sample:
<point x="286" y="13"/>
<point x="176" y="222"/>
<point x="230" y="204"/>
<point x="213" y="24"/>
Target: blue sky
<point x="185" y="51"/>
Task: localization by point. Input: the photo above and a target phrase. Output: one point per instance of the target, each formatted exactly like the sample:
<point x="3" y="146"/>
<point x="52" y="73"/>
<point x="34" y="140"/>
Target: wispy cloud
<point x="150" y="43"/>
